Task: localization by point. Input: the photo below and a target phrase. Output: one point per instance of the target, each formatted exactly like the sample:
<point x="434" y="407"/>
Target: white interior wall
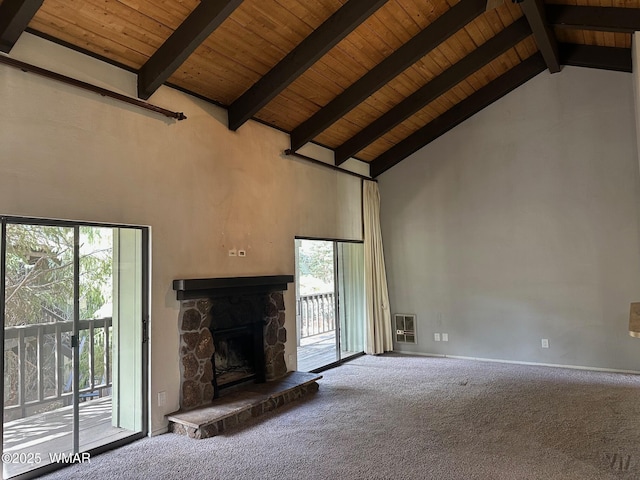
<point x="70" y="154"/>
<point x="522" y="224"/>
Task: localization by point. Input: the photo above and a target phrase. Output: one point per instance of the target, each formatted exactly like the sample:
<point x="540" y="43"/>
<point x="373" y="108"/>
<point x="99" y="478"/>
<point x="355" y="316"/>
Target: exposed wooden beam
<point x="604" y="19"/>
<point x="201" y="23"/>
<point x="405" y="56"/>
<point x="454" y="116"/>
<point x="309" y="51"/>
<point x="534" y="10"/>
<point x="15" y="15"/>
<point x="592" y="56"/>
<point x="485" y="53"/>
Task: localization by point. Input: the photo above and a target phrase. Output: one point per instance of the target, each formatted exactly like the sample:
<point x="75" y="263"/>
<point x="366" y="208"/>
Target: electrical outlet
<point x="445" y="337"/>
<point x="162" y="398"/>
<point x="233" y="252"/>
<point x="242" y="253"/>
<point x="436" y="337"/>
<point x="545" y="343"/>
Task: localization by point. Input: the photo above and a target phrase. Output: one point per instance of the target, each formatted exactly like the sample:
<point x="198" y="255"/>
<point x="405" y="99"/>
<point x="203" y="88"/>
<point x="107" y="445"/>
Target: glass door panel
<point x="38" y="351"/>
<point x="351" y="302"/>
<point x="127" y="332"/>
<point x="110" y="323"/>
<point x="315" y="273"/>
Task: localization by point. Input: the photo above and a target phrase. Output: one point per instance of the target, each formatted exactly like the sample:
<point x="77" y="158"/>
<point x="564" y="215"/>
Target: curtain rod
<point x="291" y="153"/>
<point x="26" y="67"/>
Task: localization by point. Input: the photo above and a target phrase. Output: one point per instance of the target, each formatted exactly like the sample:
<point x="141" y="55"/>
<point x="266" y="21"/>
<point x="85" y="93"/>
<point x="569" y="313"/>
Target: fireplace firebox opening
<point x="233" y="359"/>
<point x="237" y="328"/>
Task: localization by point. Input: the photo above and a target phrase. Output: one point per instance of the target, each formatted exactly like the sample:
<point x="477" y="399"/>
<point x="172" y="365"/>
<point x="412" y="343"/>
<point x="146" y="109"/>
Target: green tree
<point x="39" y="281"/>
<point x="39" y="273"/>
<point x="316" y="260"/>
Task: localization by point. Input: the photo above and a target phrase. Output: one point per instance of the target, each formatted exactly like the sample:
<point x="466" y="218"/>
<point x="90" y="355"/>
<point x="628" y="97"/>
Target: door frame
<point x="339" y="360"/>
<point x="145" y="318"/>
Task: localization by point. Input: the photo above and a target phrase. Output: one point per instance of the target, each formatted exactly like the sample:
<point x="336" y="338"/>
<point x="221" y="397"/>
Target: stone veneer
<point x="241" y="406"/>
<point x="197" y="347"/>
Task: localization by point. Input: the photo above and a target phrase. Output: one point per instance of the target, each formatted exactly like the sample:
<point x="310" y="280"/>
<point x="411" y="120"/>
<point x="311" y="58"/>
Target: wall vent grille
<point x="405" y="327"/>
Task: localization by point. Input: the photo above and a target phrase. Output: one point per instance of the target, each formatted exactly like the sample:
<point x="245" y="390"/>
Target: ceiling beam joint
<point x="534" y="10"/>
<point x="197" y="27"/>
<point x="15" y="15"/>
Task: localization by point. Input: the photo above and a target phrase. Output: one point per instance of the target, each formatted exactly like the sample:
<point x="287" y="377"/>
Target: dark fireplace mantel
<point x="214" y="287"/>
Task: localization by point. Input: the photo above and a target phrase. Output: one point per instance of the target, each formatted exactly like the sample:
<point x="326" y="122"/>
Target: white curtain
<point x="379" y="337"/>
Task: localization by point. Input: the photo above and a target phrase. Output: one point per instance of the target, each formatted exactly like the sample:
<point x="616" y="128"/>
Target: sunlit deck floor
<point x="318" y="351"/>
<point x="52" y="433"/>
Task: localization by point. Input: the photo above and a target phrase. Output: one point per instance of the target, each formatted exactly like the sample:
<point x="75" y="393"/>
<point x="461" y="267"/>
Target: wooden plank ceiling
<point x="372" y="79"/>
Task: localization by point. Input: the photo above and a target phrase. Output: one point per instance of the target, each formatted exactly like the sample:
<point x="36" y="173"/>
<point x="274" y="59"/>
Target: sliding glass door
<point x="351" y="304"/>
<point x="38" y="355"/>
<point x="330" y="302"/>
<point x="73" y="315"/>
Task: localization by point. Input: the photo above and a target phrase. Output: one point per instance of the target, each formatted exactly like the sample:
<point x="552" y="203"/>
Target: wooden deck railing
<point x="38" y="364"/>
<point x="317" y="314"/>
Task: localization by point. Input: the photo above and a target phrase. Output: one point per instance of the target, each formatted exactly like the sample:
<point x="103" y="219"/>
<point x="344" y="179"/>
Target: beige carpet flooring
<point x="406" y="417"/>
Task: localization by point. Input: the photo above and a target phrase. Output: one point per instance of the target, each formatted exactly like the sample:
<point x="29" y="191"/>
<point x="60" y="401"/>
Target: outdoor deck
<point x="51" y="433"/>
<point x="317" y="351"/>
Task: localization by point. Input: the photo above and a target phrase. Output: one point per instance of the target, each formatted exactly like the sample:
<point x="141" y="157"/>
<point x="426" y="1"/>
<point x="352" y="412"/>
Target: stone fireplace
<point x="231" y="331"/>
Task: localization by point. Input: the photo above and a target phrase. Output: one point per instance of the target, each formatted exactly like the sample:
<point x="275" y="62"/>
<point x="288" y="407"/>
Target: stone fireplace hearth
<point x="244" y="318"/>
